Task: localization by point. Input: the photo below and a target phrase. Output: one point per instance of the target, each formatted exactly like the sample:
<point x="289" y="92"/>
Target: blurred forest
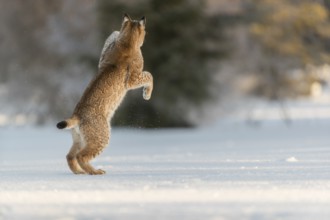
<point x="201" y="54"/>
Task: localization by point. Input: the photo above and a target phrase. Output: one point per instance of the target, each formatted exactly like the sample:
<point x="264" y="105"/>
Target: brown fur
<point x="120" y="69"/>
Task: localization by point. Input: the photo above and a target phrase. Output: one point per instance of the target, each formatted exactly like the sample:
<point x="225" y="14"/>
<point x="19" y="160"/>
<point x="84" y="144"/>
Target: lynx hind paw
<point x="147" y="93"/>
<point x="79" y="172"/>
<point x="97" y="172"/>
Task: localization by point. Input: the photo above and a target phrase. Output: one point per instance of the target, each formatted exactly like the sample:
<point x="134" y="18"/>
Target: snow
<point x="292" y="159"/>
<point x="228" y="170"/>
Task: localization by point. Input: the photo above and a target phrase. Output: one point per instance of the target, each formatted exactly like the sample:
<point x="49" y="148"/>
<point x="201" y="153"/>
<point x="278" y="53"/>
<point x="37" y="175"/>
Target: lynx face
<point x="133" y="31"/>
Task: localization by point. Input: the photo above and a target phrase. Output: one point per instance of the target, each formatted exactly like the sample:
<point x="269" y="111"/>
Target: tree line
<point x="50" y="51"/>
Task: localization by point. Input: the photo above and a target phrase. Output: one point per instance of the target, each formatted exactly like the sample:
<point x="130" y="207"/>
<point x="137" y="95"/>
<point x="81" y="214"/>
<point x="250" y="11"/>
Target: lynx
<point x="120" y="69"/>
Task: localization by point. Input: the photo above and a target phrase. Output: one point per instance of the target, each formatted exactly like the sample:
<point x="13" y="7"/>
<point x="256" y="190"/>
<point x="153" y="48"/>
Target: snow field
<point x="226" y="171"/>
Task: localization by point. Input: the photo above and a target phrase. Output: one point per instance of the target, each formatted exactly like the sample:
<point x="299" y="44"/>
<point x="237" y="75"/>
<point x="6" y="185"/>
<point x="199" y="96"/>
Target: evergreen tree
<point x="180" y="44"/>
<point x="292" y="34"/>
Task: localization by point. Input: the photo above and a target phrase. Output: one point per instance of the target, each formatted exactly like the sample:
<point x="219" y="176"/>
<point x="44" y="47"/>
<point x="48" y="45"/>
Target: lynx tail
<point x="68" y="123"/>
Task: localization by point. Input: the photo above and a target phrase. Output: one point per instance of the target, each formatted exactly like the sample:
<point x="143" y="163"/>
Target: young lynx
<point x="120" y="70"/>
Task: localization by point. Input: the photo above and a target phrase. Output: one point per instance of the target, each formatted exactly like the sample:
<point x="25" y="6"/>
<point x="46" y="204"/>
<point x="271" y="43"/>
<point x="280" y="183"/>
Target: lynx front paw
<point x="147" y="93"/>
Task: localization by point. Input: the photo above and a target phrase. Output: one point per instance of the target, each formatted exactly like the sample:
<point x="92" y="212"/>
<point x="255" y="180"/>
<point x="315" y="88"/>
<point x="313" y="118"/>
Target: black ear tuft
<point x="127" y="17"/>
<point x="143" y="21"/>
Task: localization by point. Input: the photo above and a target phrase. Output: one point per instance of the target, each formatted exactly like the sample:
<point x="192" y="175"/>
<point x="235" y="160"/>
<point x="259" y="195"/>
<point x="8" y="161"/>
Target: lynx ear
<point x="143" y="21"/>
<point x="126" y="18"/>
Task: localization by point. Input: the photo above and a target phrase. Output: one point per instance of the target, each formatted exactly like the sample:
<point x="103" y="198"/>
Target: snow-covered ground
<point x="229" y="170"/>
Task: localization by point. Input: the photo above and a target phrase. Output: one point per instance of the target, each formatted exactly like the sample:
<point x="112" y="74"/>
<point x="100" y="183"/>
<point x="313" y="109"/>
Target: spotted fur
<point x="120" y="70"/>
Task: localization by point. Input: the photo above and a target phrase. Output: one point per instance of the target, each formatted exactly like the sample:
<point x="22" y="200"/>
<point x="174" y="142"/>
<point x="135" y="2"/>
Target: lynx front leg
<point x="148" y="87"/>
<point x="144" y="80"/>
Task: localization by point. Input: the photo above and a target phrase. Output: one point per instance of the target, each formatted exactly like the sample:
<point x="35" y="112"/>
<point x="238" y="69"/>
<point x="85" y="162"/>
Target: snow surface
<point x="226" y="171"/>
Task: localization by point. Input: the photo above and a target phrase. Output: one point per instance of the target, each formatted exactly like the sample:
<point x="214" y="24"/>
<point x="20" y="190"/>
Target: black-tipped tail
<point x="62" y="124"/>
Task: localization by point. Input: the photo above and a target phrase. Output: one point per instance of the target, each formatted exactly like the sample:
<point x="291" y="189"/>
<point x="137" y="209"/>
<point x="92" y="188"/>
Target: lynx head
<point x="133" y="31"/>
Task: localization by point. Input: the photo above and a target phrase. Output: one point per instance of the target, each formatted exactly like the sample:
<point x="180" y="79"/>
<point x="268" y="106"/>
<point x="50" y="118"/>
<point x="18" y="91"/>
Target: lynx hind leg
<point x="72" y="155"/>
<point x="96" y="134"/>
